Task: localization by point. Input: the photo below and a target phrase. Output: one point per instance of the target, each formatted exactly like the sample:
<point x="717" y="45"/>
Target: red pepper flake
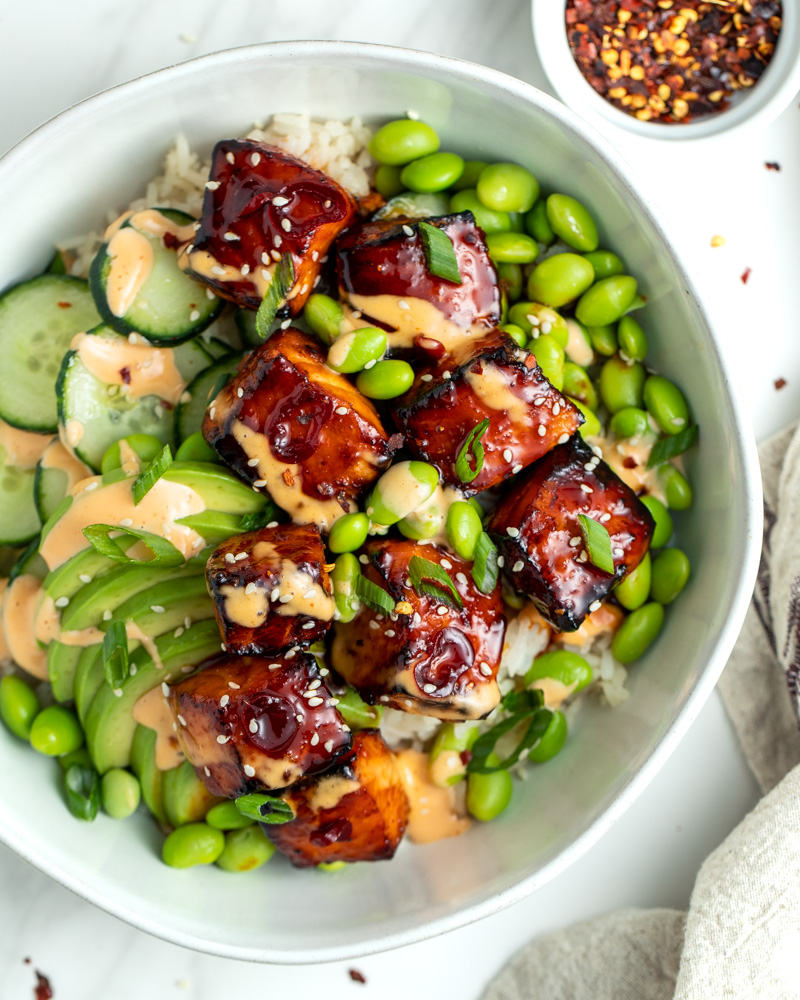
<point x="671" y="61"/>
<point x="356" y="976"/>
<point x="530" y="361"/>
<point x="772" y="165"/>
<point x="746" y="275"/>
<point x="630" y="462"/>
<point x="64" y="305"/>
<point x="125" y="375"/>
<point x="42" y="990"/>
<point x="288" y="478"/>
<point x="779" y="383"/>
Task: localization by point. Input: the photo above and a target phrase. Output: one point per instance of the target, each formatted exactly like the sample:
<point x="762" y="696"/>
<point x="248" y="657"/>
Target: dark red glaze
<point x="285" y="393"/>
<point x="272" y="558"/>
<point x="380" y="258"/>
<point x="356" y="812"/>
<point x="241" y="202"/>
<point x="258" y="705"/>
<point x="42" y="990"/>
<point x="446" y="403"/>
<point x="455" y="654"/>
<point x="543" y="508"/>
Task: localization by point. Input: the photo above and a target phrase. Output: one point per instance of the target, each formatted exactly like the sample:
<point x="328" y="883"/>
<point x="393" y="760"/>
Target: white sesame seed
<point x="508" y="454"/>
<point x="219" y="271"/>
<point x="374" y="625"/>
<point x="253" y="462"/>
<point x="259" y="484"/>
<point x="542" y="430"/>
<point x="233" y="685"/>
<point x="429" y="688"/>
<point x="370" y="364"/>
<point x="329" y="746"/>
<point x="426" y="378"/>
<point x="250" y="588"/>
<point x="181" y="720"/>
<point x="315" y="255"/>
<point x="255" y="159"/>
<point x="539" y="401"/>
<point x="224" y="700"/>
<point x="212" y="185"/>
<point x="279" y="201"/>
<point x="85" y="578"/>
<point x="286" y="324"/>
<point x="441" y="610"/>
<point x="118" y="692"/>
<point x="300" y="718"/>
<point x="384" y="698"/>
<point x="556" y="409"/>
<point x="285" y="598"/>
<point x="62" y="602"/>
<point x="106" y="616"/>
<point x="605" y="517"/>
<point x="230" y="237"/>
<point x="126" y="522"/>
<point x="286" y="225"/>
<point x="412" y="114"/>
<point x="402" y="304"/>
<point x="275" y="594"/>
<point x="277" y="240"/>
<point x="501" y="561"/>
<point x="575" y="541"/>
<point x="546" y="326"/>
<point x="249" y="770"/>
<point x="408" y="230"/>
<point x="194" y="315"/>
<point x="446" y="564"/>
<point x="240" y="556"/>
<point x="512" y="532"/>
<point x="586" y="488"/>
<point x="229" y="558"/>
<point x="165" y="689"/>
<point x="314" y="702"/>
<point x="272" y="524"/>
<point x="342" y="411"/>
<point x="363" y="559"/>
<point x="314" y="739"/>
<point x="253" y="726"/>
<point x="594" y="606"/>
<point x="223" y="739"/>
<point x="517" y="468"/>
<point x="446" y="374"/>
<point x="178" y="632"/>
<point x="618" y="553"/>
<point x="223" y="647"/>
<point x="485" y="669"/>
<point x="563" y="439"/>
<point x="461" y="578"/>
<point x="307" y="625"/>
<point x="240" y="392"/>
<point x="230" y="158"/>
<point x="207" y="772"/>
<point x="157" y="609"/>
<point x="518" y="565"/>
<point x="390" y="633"/>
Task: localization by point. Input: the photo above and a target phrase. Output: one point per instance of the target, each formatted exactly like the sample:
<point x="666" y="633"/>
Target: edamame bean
<point x="512" y="248"/>
<point x="671" y="571"/>
<point x="331" y="866"/>
<point x="578" y="385"/>
<point x="353" y="351"/>
<point x="488" y="795"/>
<point x="578" y="346"/>
<point x="402" y="141"/>
<point x="637" y="632"/>
<point x="591" y="424"/>
<point x="324" y="316"/>
<point x="425" y="522"/>
<point x="401" y="489"/>
<point x="80" y="756"/>
<point x="345" y="574"/>
<point x="517" y="220"/>
<point x="511" y="279"/>
<point x="621" y="384"/>
<point x="665" y="401"/>
<point x="348" y="533"/>
<point x="638" y="303"/>
<point x="245" y="850"/>
<point x="435" y="172"/>
<point x="414" y="205"/>
<point x="387" y="180"/>
<point x="469" y="178"/>
<point x="507" y="187"/>
<point x="560" y="279"/>
<point x="553" y="739"/>
<point x="56" y="731"/>
<point x="604" y="339"/>
<point x="605" y="263"/>
<point x="676" y="487"/>
<point x="120" y="792"/>
<point x="634" y="588"/>
<point x="516" y="333"/>
<point x="607" y="300"/>
<point x="488" y="220"/>
<point x="225" y="816"/>
<point x="356" y="712"/>
<point x="537" y="224"/>
<point x="629" y="422"/>
<point x="193" y="844"/>
<point x="463" y="527"/>
<point x="632" y="339"/>
<point x="18" y="706"/>
<point x="386" y="379"/>
<point x="550" y="357"/>
<point x="571" y="222"/>
<point x="196" y="449"/>
<point x="146" y="446"/>
<point x="535" y="318"/>
<point x="445" y="764"/>
<point x="661" y="516"/>
<point x="561" y="665"/>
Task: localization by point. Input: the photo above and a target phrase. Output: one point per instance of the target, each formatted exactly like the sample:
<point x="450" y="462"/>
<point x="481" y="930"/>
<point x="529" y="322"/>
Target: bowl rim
<point x="408" y="60"/>
<point x="759" y="105"/>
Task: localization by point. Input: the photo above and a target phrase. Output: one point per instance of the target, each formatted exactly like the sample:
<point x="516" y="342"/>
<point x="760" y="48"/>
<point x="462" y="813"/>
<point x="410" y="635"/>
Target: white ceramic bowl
<point x="62" y="178"/>
<point x="758" y="105"/>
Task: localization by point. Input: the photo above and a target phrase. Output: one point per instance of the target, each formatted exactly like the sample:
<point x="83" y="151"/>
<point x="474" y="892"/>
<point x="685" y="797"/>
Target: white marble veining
<point x="53" y="54"/>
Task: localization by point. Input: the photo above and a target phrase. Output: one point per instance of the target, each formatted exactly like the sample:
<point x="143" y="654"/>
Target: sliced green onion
<point x="275" y="296"/>
<point x="429" y="578"/>
<point x="116" y="664"/>
<point x="373" y="596"/>
<point x="672" y="445"/>
<point x="82" y="791"/>
<point x="265" y="808"/>
<point x="440" y="254"/>
<point x="163" y="552"/>
<point x="146" y="480"/>
<point x="484" y="567"/>
<point x="522" y="706"/>
<point x="471" y="447"/>
<point x="597" y="542"/>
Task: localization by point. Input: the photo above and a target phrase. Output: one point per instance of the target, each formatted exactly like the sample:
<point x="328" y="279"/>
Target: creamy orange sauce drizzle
<point x="578" y="349"/>
<point x="207" y="266"/>
<point x="401" y="492"/>
<point x="606" y="619"/>
<point x="331" y="790"/>
<point x="5" y="652"/>
<point x="152" y="710"/>
<point x="71" y="433"/>
<point x="22" y="449"/>
<point x="56" y="456"/>
<point x="448" y="765"/>
<point x="555" y="692"/>
<point x="433" y="812"/>
<point x="154" y="223"/>
<point x="493" y="387"/>
<point x="139" y="368"/>
<point x="19" y="611"/>
<point x="639" y="478"/>
<point x="132" y="256"/>
<point x="421" y="318"/>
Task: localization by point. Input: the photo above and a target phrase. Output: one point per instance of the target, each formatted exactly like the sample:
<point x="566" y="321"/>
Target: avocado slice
<point x="143" y="765"/>
<point x="186" y="799"/>
<point x="88" y="678"/>
<point x="109" y="722"/>
<point x="213" y="525"/>
<point x="220" y="490"/>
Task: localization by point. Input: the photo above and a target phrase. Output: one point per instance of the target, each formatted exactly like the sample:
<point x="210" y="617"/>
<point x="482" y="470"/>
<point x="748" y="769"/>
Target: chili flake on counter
<point x="672" y="61"/>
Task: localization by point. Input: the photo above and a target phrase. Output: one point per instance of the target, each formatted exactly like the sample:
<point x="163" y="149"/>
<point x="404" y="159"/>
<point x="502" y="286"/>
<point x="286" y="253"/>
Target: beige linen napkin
<point x="741" y="936"/>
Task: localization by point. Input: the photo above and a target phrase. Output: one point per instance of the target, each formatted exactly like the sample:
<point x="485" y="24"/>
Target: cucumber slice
<point x="170" y="307"/>
<point x="29" y="562"/>
<point x="201" y="391"/>
<point x="49" y="490"/>
<point x="105" y="414"/>
<point x="246" y="325"/>
<point x="19" y="522"/>
<point x="38" y="320"/>
<point x="414" y="205"/>
<point x="110" y="725"/>
<point x="143" y="765"/>
<point x="217" y="348"/>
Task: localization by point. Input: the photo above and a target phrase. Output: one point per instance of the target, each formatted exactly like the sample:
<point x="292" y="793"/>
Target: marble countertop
<point x="53" y="54"/>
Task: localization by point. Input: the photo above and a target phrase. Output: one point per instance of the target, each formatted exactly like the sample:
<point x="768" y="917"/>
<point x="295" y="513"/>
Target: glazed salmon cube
<point x="299" y="431"/>
<point x="271" y="590"/>
<point x="261" y="203"/>
<point x="355" y="812"/>
<point x="383" y="274"/>
<point x="538" y="534"/>
<point x="430" y="658"/>
<point x="251" y="723"/>
<point x="489" y="379"/>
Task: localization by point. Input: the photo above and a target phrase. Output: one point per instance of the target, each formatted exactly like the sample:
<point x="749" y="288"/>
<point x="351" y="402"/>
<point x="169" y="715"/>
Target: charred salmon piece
<point x="356" y="812"/>
<point x="383" y="273"/>
<point x="260" y="204"/>
<point x="251" y="723"/>
<point x="489" y="379"/>
<point x="271" y="590"/>
<point x="295" y="429"/>
<point x="537" y="532"/>
<point x="428" y="657"/>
